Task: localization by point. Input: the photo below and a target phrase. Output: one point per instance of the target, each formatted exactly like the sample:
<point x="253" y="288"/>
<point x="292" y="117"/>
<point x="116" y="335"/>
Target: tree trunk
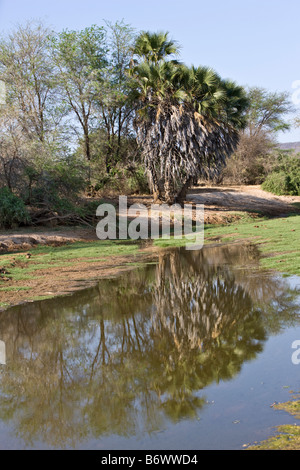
<point x="181" y="196"/>
<point x="87" y="151"/>
<point x="155" y="187"/>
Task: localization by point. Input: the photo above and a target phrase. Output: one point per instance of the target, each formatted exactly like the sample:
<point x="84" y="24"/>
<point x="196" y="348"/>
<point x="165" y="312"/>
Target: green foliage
<point x="88" y="110"/>
<point x="80" y="51"/>
<point x="47" y="182"/>
<point x="130" y="180"/>
<point x="12" y="210"/>
<point x="267" y="111"/>
<point x="278" y="183"/>
<point x="154" y="47"/>
<point x="137" y="181"/>
<point x="188" y="118"/>
<point x="285" y="179"/>
<point x="254" y="157"/>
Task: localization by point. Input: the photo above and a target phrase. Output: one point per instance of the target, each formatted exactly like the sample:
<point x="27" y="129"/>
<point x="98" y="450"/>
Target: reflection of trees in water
<point x="123" y="356"/>
<point x="208" y="323"/>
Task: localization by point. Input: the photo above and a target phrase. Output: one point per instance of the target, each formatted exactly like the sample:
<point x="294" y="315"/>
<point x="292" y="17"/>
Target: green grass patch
<point x="40" y="297"/>
<point x="20" y="268"/>
<point x="13" y="289"/>
<point x="4" y="304"/>
<point x="88" y="250"/>
<point x="288" y="437"/>
<point x="292" y="407"/>
<point x="278" y="240"/>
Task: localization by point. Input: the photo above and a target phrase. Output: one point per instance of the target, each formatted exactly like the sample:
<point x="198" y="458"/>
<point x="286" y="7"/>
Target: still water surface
<point x="187" y="353"/>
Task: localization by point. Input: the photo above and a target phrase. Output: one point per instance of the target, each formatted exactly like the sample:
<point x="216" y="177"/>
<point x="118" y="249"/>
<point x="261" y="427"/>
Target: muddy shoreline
<point x="77" y="275"/>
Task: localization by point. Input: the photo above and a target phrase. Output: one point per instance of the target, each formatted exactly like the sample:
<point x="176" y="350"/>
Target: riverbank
<point x="44" y="262"/>
<point x="54" y="262"/>
<point x="50" y="270"/>
<point x="60" y="266"/>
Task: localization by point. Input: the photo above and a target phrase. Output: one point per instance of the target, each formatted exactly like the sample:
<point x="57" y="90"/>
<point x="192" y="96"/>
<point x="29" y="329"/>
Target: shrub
<point x="285" y="179"/>
<point x="137" y="180"/>
<point x="251" y="161"/>
<point x="277" y="183"/>
<point x="54" y="179"/>
<point x="126" y="181"/>
<point x="12" y="210"/>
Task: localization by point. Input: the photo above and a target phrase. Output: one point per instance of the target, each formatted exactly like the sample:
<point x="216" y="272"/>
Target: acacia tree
<point x="267" y="111"/>
<point x="27" y="70"/>
<point x="254" y="156"/>
<point x="188" y="120"/>
<point x="80" y="58"/>
<point x="30" y="121"/>
<point x="115" y="109"/>
<point x="11" y="148"/>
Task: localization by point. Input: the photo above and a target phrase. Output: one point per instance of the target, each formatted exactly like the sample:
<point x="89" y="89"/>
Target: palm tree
<point x="188" y="118"/>
<point x="154" y="47"/>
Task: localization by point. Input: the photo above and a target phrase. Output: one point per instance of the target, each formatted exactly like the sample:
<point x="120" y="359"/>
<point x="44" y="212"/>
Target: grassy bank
<point x="22" y="273"/>
<point x="278" y="240"/>
<point x="288" y="437"/>
<point x="46" y="271"/>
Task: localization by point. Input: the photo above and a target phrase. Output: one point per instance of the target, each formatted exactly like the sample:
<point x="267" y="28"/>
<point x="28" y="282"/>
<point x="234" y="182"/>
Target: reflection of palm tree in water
<point x="208" y="324"/>
<point x="148" y="341"/>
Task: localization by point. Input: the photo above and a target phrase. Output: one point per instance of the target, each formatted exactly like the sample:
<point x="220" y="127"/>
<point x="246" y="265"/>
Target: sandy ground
<point x="23" y="239"/>
<point x="219" y="201"/>
<point x="222" y="203"/>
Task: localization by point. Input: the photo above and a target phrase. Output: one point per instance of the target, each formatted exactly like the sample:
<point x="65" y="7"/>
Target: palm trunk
<point x="154" y="185"/>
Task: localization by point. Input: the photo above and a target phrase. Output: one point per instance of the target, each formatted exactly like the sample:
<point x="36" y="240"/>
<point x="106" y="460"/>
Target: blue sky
<point x="253" y="42"/>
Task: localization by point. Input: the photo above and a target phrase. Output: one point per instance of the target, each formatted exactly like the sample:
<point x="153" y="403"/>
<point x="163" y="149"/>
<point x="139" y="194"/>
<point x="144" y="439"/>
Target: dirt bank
<point x="221" y="200"/>
<point x="24" y="239"/>
<point x="35" y="281"/>
<point x="223" y="204"/>
<point x="59" y="277"/>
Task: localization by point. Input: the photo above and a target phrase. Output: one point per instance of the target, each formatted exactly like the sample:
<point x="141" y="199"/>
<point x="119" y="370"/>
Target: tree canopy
<point x="188" y="118"/>
<point x="110" y="108"/>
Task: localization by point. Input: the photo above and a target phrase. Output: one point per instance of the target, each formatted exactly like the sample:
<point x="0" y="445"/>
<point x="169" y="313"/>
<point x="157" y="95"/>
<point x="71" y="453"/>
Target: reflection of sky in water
<point x="164" y="357"/>
<point x="2" y="353"/>
<point x="294" y="282"/>
<point x="2" y="92"/>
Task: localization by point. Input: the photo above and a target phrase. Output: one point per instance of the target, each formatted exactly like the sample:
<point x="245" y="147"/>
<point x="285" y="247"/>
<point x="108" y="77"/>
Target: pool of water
<point x="187" y="353"/>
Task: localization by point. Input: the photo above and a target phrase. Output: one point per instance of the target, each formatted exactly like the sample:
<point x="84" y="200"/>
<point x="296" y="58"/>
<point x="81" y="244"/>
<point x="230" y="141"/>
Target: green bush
<point x="137" y="181"/>
<point x="123" y="181"/>
<point x="277" y="183"/>
<point x="12" y="210"/>
<point x="52" y="180"/>
<point x="285" y="179"/>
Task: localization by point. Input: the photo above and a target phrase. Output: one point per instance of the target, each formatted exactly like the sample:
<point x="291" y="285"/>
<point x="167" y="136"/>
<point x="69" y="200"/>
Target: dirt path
<point x="220" y="201"/>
